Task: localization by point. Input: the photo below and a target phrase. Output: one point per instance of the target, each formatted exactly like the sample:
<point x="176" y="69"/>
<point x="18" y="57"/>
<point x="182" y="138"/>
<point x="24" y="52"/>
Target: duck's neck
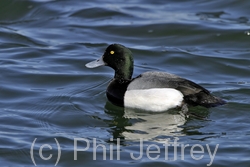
<point x="121" y="74"/>
<point x="125" y="71"/>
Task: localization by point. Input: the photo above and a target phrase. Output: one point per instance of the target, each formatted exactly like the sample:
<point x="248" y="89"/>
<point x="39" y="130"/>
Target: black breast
<point x="116" y="90"/>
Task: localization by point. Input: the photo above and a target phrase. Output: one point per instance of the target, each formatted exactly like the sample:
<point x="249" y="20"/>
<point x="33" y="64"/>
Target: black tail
<point x="204" y="99"/>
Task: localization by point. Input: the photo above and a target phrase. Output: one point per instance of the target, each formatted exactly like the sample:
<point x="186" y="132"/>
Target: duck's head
<point x="117" y="57"/>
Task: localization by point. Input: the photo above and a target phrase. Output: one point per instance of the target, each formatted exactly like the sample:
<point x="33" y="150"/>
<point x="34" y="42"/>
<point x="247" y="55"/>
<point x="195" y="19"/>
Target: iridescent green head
<point x="117" y="57"/>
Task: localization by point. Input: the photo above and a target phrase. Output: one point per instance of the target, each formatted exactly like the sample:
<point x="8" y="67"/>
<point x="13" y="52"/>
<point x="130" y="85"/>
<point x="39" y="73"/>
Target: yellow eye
<point x="112" y="52"/>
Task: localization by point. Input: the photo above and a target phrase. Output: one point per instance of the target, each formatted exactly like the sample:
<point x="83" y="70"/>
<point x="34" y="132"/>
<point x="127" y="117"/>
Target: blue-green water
<point x="53" y="106"/>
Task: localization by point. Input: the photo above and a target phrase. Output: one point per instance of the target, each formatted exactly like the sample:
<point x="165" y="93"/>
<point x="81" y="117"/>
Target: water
<point x="49" y="98"/>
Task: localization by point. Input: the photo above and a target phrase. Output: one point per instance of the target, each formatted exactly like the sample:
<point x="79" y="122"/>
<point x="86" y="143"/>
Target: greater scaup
<point x="153" y="90"/>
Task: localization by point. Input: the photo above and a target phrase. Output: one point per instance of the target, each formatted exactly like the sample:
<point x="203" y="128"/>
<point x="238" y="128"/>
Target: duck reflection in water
<point x="131" y="124"/>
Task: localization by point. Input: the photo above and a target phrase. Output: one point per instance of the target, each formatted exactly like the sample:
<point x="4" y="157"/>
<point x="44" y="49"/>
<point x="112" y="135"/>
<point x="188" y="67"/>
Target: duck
<point x="155" y="91"/>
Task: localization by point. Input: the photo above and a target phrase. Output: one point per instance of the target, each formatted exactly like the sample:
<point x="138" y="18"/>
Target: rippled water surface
<point x="54" y="110"/>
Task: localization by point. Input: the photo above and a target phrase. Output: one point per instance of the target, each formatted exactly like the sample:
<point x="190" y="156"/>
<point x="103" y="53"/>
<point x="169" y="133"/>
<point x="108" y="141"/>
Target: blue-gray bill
<point x="96" y="63"/>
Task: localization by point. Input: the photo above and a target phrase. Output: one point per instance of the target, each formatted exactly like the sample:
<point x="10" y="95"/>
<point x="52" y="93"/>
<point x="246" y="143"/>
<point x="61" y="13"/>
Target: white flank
<point x="155" y="99"/>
